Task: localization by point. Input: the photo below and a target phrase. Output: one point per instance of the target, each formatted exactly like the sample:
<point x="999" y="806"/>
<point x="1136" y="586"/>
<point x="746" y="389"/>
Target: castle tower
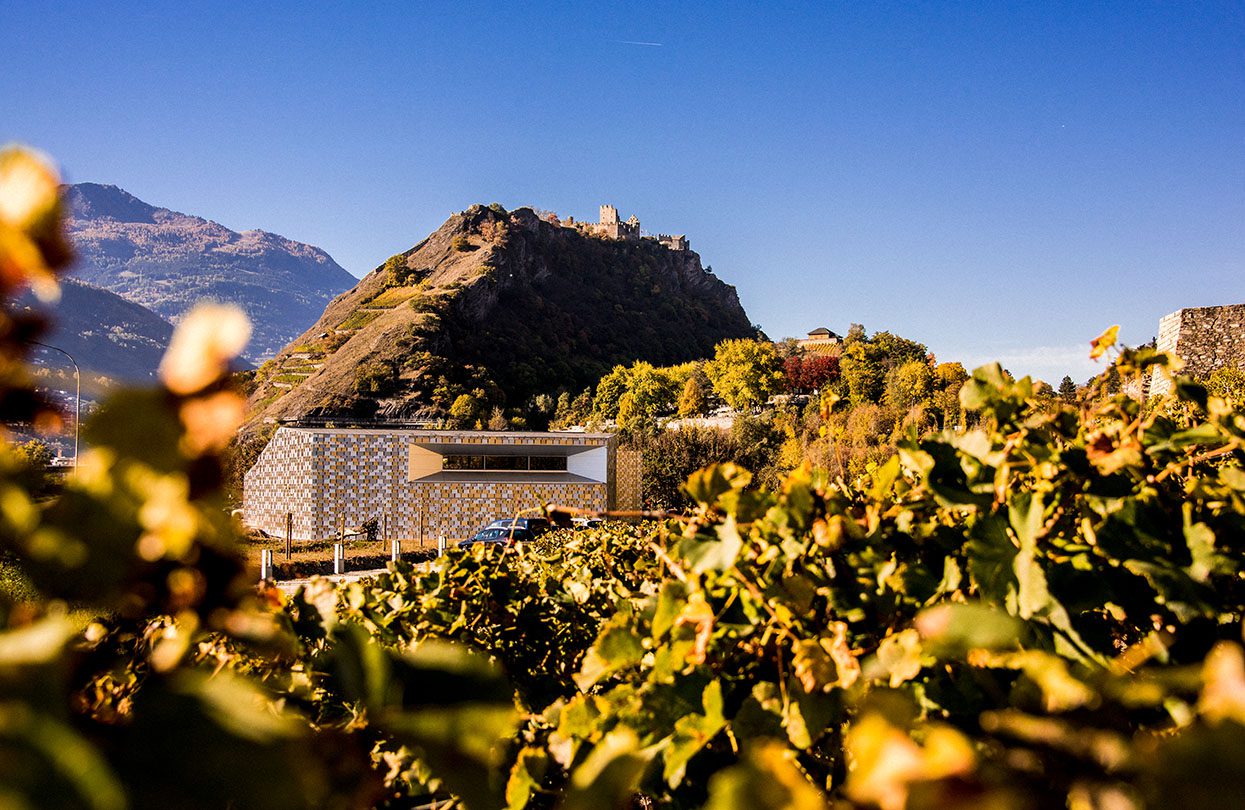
<point x="609" y="215"/>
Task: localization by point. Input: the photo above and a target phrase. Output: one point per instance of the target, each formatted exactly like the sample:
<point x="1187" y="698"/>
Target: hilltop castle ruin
<point x="611" y="227"/>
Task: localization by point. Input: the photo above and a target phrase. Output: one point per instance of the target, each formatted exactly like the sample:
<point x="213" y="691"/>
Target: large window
<point x="483" y="463"/>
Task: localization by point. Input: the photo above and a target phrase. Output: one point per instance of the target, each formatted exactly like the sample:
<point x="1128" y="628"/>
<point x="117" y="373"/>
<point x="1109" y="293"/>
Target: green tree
<point x="650" y="393"/>
<point x="909" y="385"/>
<point x="866" y="362"/>
<point x="465" y="410"/>
<point x="1067" y="390"/>
<point x="376" y="378"/>
<point x="610" y="390"/>
<point x="862" y="373"/>
<point x="744" y="372"/>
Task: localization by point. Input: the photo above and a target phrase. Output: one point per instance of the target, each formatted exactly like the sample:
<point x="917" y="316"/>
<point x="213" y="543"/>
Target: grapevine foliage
<point x="1042" y="611"/>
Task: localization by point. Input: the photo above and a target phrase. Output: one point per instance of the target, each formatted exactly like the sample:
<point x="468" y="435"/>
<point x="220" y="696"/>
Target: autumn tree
<point x="866" y="362"/>
<point x="1228" y="383"/>
<point x="744" y="372"/>
<point x="650" y="393"/>
<point x="908" y="385"/>
<point x="692" y="402"/>
<point x="610" y="390"/>
<point x="806" y="373"/>
<point x="465" y="410"/>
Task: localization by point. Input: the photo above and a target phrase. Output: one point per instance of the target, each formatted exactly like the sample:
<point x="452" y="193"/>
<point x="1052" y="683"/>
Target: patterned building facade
<point x="418" y="482"/>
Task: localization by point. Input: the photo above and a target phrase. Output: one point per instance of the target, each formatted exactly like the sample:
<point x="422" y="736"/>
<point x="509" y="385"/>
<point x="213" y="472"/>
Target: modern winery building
<point x="425" y="484"/>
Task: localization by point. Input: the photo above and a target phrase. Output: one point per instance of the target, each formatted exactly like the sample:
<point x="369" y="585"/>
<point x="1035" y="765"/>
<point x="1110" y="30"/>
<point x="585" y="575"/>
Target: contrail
<point x="633" y="42"/>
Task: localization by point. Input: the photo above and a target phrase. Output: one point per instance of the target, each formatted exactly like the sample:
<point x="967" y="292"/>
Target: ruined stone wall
<point x="1206" y="338"/>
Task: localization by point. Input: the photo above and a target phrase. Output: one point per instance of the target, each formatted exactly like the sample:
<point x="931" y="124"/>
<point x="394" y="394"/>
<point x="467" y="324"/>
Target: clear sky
<point x="994" y="180"/>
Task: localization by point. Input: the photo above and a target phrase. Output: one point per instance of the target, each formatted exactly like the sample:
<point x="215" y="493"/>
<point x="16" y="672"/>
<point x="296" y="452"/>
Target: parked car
<point x="536" y="525"/>
<point x="499" y="535"/>
<point x="586" y="522"/>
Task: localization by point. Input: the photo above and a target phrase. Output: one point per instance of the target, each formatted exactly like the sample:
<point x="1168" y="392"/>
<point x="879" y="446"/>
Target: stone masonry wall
<point x="1206" y="338"/>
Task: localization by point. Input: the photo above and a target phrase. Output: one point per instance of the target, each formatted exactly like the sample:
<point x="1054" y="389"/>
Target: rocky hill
<point x="105" y="333"/>
<point x="166" y="261"/>
<point x="499" y="306"/>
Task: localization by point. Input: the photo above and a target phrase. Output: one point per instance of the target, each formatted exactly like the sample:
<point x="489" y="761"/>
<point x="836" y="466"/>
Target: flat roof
<point x="457" y="436"/>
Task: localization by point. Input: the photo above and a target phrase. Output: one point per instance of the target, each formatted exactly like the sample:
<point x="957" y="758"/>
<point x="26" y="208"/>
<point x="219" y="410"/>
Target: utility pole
<point x="77" y="403"/>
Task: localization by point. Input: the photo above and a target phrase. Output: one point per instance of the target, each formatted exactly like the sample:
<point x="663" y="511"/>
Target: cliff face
<point x="166" y="261"/>
<point x="500" y="304"/>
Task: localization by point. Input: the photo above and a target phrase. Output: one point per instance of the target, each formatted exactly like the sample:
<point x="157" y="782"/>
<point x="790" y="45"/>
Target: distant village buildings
<point x="610" y="226"/>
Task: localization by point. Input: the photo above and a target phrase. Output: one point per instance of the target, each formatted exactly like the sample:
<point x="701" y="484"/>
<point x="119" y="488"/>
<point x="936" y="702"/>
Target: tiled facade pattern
<point x="629" y="494"/>
<point x="329" y="478"/>
<point x="285" y="479"/>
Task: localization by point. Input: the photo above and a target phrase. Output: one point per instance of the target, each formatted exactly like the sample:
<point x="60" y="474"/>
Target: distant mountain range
<point x="104" y="332"/>
<point x="167" y="261"/>
<point x="502" y="306"/>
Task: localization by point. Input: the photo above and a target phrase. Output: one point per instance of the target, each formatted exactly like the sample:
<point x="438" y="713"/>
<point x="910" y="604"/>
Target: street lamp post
<point x="77" y="403"/>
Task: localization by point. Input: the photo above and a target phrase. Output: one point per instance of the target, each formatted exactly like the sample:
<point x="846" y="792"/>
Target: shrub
<point x="376" y="378"/>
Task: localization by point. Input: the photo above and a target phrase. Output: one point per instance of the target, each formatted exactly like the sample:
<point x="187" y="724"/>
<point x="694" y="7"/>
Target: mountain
<point x="166" y="261"/>
<point x="104" y="333"/>
<point x="502" y="306"/>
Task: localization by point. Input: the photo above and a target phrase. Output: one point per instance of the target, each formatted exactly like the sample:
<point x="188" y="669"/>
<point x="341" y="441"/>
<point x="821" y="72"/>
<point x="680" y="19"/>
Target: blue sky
<point x="994" y="180"/>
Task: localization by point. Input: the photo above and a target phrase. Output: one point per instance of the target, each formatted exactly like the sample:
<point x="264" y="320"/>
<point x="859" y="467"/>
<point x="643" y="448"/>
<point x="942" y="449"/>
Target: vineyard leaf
<point x="617" y="647"/>
<point x="693" y="732"/>
<point x="713" y="555"/>
<point x="898" y="657"/>
<point x="807" y="716"/>
<point x="525" y="777"/>
<point x="246" y="753"/>
<point x="768" y="778"/>
<point x="608" y="777"/>
<point x="952" y="629"/>
<point x="991" y="560"/>
<point x="1025" y="515"/>
<point x="670" y="601"/>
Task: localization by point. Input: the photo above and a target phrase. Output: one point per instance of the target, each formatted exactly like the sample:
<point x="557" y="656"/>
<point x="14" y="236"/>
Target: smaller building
<point x="423" y="484"/>
<point x="819" y="338"/>
<point x="676" y="242"/>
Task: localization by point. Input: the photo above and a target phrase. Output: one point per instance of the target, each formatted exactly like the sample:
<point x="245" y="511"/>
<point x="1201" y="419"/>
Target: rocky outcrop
<point x="502" y="306"/>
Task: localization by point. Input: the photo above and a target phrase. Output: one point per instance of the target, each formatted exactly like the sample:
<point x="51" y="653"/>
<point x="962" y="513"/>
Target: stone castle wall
<point x="1206" y="338"/>
<point x="329" y="478"/>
